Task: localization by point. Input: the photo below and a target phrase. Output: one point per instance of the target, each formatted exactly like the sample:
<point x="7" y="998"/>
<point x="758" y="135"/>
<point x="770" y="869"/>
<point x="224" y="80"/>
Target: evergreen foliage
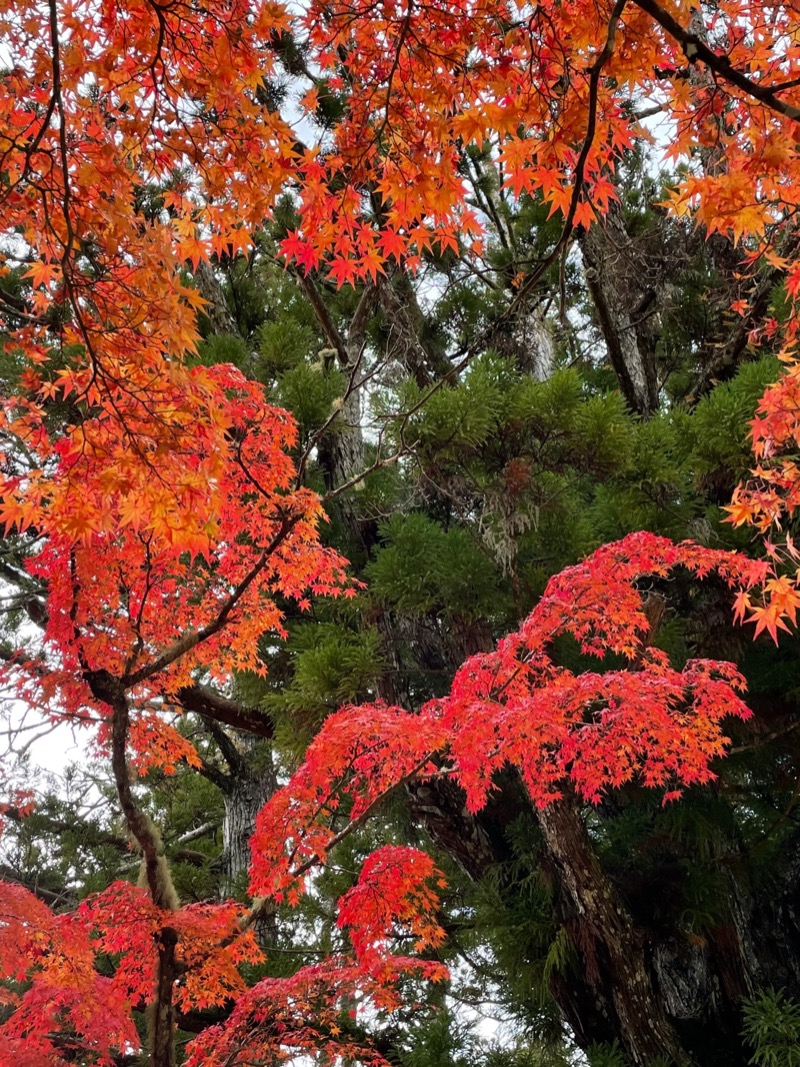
<point x="772" y="1028"/>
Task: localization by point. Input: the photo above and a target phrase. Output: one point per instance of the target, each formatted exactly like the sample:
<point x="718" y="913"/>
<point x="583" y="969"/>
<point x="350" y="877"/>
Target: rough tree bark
<point x="611" y="945"/>
<point x="216" y="309"/>
<point x="527" y="339"/>
<point x="248" y="790"/>
<point x="621" y="304"/>
<point x="403" y="326"/>
<point x="341" y="451"/>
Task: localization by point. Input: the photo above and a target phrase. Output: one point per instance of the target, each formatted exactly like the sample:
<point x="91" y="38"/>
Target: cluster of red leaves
<point x="518" y="706"/>
<point x="361" y="752"/>
<point x="212" y="945"/>
<point x="598" y="730"/>
<point x="70" y="982"/>
<point x="281" y="1019"/>
<point x="394" y="892"/>
<point x="58" y="1001"/>
<point x="54" y="997"/>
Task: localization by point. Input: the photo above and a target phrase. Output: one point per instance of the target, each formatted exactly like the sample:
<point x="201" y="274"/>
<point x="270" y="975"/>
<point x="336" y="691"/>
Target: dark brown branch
<point x="211" y="773"/>
<point x="221" y="709"/>
<point x="159" y="880"/>
<point x="62" y="134"/>
<point x="327" y="325"/>
<point x="580" y="165"/>
<point x="64" y="899"/>
<point x="230" y="753"/>
<point x="111" y="690"/>
<point x="696" y="50"/>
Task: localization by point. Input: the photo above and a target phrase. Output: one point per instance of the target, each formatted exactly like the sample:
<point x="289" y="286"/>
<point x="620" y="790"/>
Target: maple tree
<point x="157" y="498"/>
<point x="512" y="706"/>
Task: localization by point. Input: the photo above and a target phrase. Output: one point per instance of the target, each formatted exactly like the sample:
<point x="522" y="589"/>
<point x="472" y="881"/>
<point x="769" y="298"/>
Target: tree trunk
<point x="341" y="452"/>
<point x="612" y="949"/>
<point x="162" y="1010"/>
<point x="251" y="784"/>
<point x="155" y="870"/>
<point x="250" y="787"/>
<point x="216" y="309"/>
<point x="528" y="341"/>
<point x="403" y="327"/>
<point x="621" y="304"/>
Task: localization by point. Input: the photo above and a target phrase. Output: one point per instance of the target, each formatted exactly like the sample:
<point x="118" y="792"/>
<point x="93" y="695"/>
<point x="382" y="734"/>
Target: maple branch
<point x="161" y="1023"/>
<point x="194" y="638"/>
<point x="359" y="820"/>
<point x="210" y="705"/>
<point x="401" y="42"/>
<point x="580" y="165"/>
<point x="695" y="49"/>
<point x="262" y="905"/>
<point x="111" y="691"/>
<point x="62" y="133"/>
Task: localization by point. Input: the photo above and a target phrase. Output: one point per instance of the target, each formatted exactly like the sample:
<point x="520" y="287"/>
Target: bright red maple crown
<point x="516" y="706"/>
<point x="146" y="530"/>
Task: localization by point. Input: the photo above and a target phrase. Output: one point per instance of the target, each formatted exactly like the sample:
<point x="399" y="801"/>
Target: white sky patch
<point x="28" y="735"/>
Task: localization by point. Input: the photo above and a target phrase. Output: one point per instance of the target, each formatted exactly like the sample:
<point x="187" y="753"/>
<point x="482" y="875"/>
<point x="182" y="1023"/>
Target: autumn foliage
<point x="150" y="594"/>
<point x="513" y="707"/>
<point x="592" y="730"/>
<point x="160" y="500"/>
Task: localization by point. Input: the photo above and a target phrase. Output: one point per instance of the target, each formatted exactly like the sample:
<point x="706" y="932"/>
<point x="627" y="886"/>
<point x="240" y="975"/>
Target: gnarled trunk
<point x="612" y="948"/>
<point x="247" y="792"/>
<point x="527" y="339"/>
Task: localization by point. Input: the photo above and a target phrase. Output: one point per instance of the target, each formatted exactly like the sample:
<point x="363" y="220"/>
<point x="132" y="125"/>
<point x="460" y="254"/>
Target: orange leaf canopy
<point x="165" y="538"/>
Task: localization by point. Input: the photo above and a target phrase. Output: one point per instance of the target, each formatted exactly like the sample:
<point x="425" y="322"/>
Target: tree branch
<point x="580" y="165"/>
<point x="327" y="325"/>
<point x="210" y="705"/>
<point x="695" y="49"/>
<point x="192" y="639"/>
